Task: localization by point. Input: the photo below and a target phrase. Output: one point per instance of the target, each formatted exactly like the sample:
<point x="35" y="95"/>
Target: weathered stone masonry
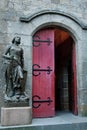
<point x="25" y="17"/>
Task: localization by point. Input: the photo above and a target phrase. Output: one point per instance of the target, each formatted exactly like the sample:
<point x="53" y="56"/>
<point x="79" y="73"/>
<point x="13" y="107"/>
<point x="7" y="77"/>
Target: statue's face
<point x="17" y="40"/>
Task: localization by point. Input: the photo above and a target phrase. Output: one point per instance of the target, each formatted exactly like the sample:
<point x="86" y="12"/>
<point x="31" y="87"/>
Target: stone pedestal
<point x="16" y="116"/>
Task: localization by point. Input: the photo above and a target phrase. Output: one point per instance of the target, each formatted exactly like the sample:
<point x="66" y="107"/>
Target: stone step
<point x="61" y="121"/>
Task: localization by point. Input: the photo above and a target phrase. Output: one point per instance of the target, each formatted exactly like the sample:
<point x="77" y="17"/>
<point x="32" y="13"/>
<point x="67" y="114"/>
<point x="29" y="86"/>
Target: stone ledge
<point x="16" y="116"/>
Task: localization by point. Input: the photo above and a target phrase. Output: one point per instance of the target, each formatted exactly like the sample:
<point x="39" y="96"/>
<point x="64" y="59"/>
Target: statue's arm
<point x="7" y="52"/>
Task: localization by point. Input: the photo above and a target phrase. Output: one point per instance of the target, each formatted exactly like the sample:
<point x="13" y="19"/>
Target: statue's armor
<point x="16" y="53"/>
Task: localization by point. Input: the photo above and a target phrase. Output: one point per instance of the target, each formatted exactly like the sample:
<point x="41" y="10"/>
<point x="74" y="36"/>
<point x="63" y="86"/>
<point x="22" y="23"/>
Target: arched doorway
<point x="54" y="72"/>
<point x="65" y="72"/>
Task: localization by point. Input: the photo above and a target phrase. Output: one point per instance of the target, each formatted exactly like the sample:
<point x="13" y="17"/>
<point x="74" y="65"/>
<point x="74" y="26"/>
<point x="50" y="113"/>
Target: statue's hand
<point x="11" y="57"/>
<point x="8" y="57"/>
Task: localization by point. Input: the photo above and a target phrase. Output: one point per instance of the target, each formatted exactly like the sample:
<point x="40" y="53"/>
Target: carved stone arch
<point x="72" y="17"/>
<point x="73" y="25"/>
<point x="55" y="18"/>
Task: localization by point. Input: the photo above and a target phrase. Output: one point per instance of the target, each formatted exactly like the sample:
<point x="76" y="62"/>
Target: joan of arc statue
<point x="14" y="71"/>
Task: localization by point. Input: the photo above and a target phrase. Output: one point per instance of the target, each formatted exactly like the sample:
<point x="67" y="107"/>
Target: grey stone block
<point x="16" y="116"/>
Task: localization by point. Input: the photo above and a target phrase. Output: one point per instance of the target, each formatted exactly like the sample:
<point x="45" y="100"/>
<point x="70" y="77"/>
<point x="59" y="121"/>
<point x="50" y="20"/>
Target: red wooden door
<point x="43" y="74"/>
<point x="74" y="84"/>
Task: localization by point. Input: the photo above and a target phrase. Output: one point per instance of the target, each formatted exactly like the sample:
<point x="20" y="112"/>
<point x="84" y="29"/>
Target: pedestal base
<point x="16" y="116"/>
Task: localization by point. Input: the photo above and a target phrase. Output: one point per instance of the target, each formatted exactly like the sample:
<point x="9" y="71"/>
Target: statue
<point x="14" y="74"/>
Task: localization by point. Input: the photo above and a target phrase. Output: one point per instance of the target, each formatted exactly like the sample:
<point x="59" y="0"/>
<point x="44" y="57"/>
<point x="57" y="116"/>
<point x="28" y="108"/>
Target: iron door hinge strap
<point x="37" y="68"/>
<point x="37" y="103"/>
<point x="37" y="42"/>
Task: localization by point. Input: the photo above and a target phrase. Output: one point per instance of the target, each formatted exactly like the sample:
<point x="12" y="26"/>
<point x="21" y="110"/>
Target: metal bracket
<point x="37" y="103"/>
<point x="37" y="42"/>
<point x="37" y="68"/>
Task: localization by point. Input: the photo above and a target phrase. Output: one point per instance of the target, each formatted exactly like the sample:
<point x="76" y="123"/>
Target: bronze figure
<point x="14" y="72"/>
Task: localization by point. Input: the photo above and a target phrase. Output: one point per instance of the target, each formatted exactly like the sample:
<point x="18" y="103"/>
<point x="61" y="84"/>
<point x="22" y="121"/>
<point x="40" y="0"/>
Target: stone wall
<point x="10" y="26"/>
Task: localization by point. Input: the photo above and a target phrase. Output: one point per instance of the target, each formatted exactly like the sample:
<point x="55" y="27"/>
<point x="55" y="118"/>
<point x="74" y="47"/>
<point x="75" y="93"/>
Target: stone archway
<point x="69" y="23"/>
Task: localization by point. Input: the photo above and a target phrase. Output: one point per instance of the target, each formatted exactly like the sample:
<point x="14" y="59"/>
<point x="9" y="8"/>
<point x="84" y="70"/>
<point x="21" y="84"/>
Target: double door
<point x="43" y="81"/>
